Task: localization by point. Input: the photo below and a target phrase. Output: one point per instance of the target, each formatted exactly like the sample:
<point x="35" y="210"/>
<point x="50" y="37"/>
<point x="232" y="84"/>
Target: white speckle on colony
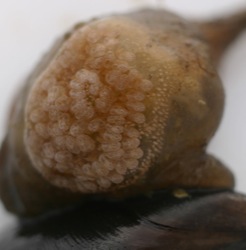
<point x="107" y="136"/>
<point x="121" y="168"/>
<point x="37" y="115"/>
<point x="41" y="130"/>
<point x="130" y="143"/>
<point x="48" y="150"/>
<point x="95" y="125"/>
<point x="137" y="117"/>
<point x="71" y="144"/>
<point x="146" y="85"/>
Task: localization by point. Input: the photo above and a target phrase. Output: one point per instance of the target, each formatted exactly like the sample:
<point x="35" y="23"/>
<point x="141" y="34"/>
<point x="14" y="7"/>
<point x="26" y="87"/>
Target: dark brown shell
<point x="202" y="219"/>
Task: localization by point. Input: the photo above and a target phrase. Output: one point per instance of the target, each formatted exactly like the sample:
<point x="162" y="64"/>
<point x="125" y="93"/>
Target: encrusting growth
<point x="88" y="113"/>
<point x="120" y="106"/>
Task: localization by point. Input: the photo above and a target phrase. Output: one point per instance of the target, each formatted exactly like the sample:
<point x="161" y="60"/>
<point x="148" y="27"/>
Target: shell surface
<point x="206" y="220"/>
<point x="97" y="119"/>
<point x="120" y="106"/>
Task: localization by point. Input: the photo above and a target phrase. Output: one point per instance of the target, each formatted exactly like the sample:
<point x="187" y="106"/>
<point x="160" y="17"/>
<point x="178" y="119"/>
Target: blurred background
<point x="28" y="28"/>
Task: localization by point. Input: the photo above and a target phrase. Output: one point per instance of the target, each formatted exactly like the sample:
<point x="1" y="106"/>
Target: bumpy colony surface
<point x="89" y="114"/>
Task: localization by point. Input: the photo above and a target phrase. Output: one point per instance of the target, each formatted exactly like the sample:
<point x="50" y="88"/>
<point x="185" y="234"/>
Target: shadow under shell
<point x="190" y="219"/>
